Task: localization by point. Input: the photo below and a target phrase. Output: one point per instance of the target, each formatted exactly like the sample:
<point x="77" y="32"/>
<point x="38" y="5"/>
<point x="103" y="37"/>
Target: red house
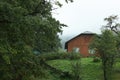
<point x="80" y="43"/>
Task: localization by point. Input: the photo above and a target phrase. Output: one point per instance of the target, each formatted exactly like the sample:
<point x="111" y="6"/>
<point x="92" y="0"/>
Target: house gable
<point x="81" y="41"/>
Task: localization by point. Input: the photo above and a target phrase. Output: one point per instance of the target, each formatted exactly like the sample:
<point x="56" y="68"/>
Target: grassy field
<point x="90" y="70"/>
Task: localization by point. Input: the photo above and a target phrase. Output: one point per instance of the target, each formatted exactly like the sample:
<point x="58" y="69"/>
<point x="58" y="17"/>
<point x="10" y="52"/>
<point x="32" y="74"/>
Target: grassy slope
<point x="90" y="70"/>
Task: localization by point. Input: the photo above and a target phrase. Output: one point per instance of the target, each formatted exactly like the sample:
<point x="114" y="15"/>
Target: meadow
<point x="89" y="70"/>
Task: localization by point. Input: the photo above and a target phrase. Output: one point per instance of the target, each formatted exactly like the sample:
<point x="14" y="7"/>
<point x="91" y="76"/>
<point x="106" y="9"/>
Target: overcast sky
<point x="85" y="15"/>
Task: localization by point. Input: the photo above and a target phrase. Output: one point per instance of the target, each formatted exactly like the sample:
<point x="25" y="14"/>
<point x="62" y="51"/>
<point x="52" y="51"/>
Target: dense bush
<point x="59" y="55"/>
<point x="49" y="56"/>
<point x="76" y="71"/>
<point x="74" y="55"/>
<point x="96" y="59"/>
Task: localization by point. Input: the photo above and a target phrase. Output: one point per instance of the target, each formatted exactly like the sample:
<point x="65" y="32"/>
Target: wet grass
<point x="89" y="70"/>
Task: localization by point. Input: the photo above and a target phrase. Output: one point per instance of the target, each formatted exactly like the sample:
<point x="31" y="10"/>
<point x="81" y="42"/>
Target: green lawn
<point x="90" y="69"/>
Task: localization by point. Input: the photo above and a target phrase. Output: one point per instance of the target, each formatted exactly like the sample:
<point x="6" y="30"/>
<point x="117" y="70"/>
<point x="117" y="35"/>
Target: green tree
<point x="105" y="45"/>
<point x="26" y="25"/>
<point x="112" y="24"/>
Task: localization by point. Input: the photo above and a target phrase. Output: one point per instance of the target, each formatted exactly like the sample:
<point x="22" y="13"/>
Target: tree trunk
<point x="105" y="68"/>
<point x="105" y="74"/>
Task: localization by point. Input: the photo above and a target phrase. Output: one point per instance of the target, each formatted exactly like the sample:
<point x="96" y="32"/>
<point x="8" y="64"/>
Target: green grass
<point x="116" y="75"/>
<point x="90" y="69"/>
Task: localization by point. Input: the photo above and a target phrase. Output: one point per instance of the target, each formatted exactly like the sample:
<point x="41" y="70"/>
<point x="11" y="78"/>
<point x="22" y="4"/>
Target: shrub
<point x="62" y="55"/>
<point x="96" y="59"/>
<point x="49" y="56"/>
<point x="76" y="71"/>
<point x="74" y="55"/>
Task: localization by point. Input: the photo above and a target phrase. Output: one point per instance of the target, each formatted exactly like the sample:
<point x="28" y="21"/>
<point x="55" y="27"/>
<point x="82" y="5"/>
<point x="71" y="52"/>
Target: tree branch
<point x="35" y="11"/>
<point x="5" y="21"/>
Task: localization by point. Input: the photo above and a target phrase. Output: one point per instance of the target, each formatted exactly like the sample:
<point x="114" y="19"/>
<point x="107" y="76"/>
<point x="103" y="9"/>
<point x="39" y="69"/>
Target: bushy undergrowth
<point x="96" y="59"/>
<point x="74" y="55"/>
<point x="76" y="70"/>
<point x="84" y="68"/>
<point x="59" y="55"/>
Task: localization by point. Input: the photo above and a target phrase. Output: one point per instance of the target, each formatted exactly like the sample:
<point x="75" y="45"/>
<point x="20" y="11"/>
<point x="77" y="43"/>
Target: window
<point x="91" y="51"/>
<point x="75" y="49"/>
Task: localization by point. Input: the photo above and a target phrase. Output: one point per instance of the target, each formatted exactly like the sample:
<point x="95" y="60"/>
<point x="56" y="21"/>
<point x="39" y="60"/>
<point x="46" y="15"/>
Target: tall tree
<point x="105" y="45"/>
<point x="25" y="25"/>
<point x="114" y="25"/>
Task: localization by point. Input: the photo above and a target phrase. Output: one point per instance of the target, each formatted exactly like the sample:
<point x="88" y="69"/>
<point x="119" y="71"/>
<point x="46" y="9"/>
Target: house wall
<point x="82" y="42"/>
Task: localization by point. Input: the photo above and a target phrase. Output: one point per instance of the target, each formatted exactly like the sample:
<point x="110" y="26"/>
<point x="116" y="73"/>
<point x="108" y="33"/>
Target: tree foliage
<point x="105" y="45"/>
<point x="25" y="25"/>
<point x="113" y="24"/>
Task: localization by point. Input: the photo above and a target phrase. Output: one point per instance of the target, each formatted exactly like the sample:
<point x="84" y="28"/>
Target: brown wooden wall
<point x="82" y="42"/>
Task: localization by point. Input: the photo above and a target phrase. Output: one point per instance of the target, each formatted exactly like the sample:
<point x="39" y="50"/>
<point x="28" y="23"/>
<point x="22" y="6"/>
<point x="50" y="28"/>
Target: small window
<point x="76" y="49"/>
<point x="91" y="51"/>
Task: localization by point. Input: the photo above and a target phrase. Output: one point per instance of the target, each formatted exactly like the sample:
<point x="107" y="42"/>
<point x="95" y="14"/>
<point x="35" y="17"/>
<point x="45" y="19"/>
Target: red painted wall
<point x="82" y="42"/>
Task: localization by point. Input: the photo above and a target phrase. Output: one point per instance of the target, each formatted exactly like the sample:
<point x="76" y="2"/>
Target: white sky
<point x="86" y="15"/>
